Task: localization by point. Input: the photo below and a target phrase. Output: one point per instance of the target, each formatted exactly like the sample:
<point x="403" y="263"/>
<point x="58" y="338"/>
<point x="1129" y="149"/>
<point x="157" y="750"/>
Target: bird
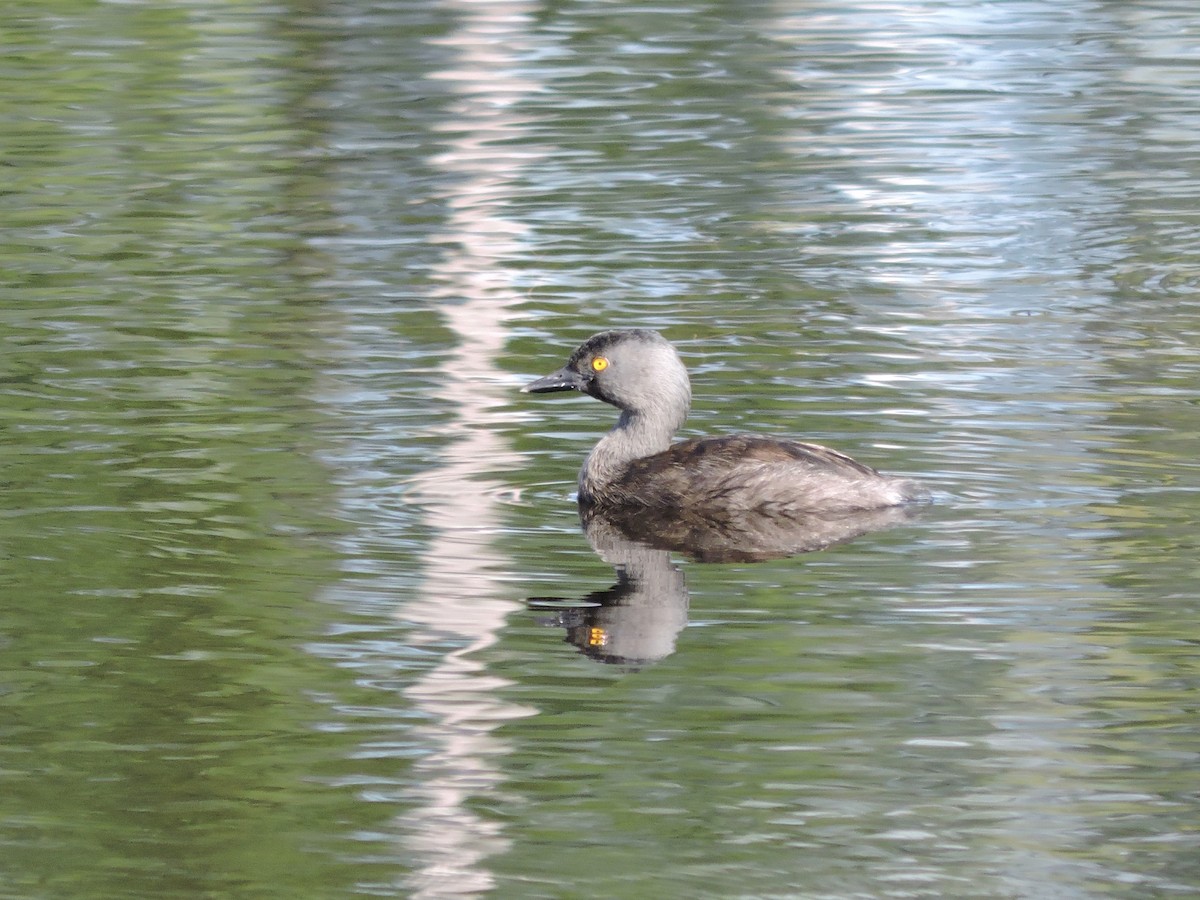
<point x="636" y="466"/>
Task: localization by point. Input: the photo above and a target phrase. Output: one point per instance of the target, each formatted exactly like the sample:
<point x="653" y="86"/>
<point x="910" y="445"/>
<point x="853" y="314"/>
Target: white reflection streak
<point x="457" y="605"/>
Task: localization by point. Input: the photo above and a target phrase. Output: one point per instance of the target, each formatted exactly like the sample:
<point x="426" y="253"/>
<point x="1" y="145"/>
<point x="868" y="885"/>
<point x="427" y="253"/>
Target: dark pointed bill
<point x="562" y="380"/>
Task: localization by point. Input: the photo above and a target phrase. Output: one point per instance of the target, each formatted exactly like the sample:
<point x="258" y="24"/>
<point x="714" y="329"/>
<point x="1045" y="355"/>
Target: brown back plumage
<point x="751" y="472"/>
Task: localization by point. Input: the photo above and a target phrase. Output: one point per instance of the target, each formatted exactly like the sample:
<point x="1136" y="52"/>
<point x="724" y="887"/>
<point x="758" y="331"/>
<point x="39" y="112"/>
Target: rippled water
<point x="296" y="601"/>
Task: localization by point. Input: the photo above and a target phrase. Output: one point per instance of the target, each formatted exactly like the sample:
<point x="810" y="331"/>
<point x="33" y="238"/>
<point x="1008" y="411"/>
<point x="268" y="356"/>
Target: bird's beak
<point x="563" y="380"/>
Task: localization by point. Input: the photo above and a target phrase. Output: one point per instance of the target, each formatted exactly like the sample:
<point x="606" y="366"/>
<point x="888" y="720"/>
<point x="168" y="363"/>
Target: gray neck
<point x="635" y="435"/>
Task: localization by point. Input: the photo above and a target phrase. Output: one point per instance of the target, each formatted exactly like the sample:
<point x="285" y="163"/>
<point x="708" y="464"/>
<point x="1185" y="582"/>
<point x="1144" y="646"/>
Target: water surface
<point x="274" y="510"/>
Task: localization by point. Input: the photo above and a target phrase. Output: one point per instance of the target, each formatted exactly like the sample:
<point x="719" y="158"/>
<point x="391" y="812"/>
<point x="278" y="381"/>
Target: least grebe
<point x="636" y="465"/>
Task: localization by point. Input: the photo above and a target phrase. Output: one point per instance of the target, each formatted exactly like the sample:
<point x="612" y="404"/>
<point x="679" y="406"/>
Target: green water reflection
<point x="167" y="525"/>
<point x="272" y="507"/>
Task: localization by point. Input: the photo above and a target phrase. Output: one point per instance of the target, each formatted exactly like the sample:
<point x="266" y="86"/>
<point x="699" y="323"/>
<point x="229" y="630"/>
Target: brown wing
<point x="745" y="470"/>
<point x="740" y="447"/>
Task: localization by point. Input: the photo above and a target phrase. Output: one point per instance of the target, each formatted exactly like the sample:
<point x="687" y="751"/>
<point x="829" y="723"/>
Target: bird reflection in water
<point x="635" y="622"/>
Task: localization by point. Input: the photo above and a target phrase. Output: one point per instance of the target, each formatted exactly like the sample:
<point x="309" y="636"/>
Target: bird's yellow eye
<point x="599" y="364"/>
